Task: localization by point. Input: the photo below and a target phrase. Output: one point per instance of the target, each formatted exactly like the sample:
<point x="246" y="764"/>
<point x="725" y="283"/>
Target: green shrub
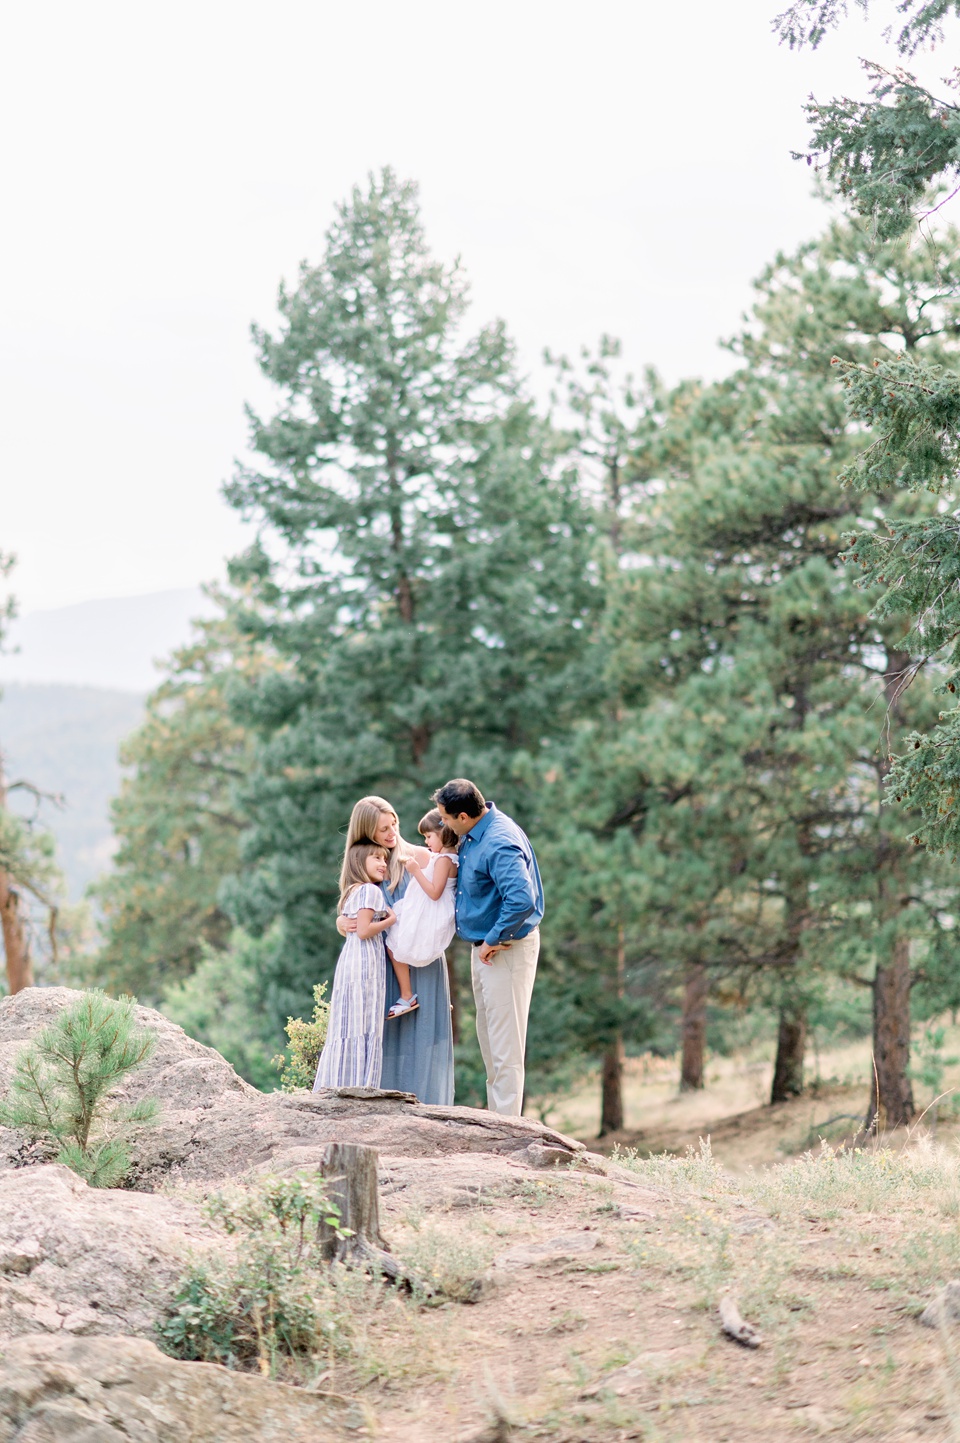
<point x="299" y="1062"/>
<point x="62" y="1081"/>
<point x="273" y="1299"/>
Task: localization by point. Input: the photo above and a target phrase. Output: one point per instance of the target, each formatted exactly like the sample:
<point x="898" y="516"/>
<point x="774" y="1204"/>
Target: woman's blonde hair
<point x="364" y="820"/>
<point x="353" y="873"/>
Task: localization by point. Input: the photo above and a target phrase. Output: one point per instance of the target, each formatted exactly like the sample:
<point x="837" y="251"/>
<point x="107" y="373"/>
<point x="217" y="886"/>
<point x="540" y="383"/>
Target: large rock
<point x="214" y="1126"/>
<point x="76" y="1259"/>
<point x="91" y="1390"/>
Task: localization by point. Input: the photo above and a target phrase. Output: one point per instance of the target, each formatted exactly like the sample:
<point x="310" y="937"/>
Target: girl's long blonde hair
<point x="364" y="820"/>
<point x="353" y="873"/>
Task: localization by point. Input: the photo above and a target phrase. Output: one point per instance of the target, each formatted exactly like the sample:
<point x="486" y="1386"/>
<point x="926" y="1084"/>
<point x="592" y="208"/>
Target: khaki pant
<point x="502" y="989"/>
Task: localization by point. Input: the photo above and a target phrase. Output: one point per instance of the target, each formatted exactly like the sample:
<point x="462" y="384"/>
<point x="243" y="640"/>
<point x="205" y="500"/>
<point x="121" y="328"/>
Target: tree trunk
<point x="350" y="1172"/>
<point x="693" y="1028"/>
<point x="611" y="1077"/>
<point x="791" y="1045"/>
<point x="16" y="945"/>
<point x="891" y="1093"/>
<point x="611" y="1088"/>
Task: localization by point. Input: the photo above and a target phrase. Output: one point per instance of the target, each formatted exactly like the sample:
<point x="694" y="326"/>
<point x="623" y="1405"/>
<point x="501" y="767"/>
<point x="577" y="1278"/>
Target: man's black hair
<point x="460" y="796"/>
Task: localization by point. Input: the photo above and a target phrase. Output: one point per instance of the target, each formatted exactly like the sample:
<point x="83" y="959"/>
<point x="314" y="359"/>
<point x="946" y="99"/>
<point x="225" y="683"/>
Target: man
<point x="499" y="910"/>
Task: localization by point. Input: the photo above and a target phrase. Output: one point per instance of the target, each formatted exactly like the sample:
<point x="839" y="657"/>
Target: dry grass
<point x="745" y="1131"/>
<point x="831" y="1256"/>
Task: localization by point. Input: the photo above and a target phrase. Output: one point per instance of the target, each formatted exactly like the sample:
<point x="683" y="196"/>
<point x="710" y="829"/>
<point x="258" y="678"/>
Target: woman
<point x="417" y="1047"/>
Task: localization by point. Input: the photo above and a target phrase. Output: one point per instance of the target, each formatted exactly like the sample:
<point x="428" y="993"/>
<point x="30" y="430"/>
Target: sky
<point x="618" y="167"/>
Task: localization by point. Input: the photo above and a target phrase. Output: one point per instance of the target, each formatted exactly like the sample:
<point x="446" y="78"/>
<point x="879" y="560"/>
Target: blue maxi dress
<point x="418" y="1048"/>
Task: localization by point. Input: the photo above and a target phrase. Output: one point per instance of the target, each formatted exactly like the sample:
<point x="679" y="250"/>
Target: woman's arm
<point x="441" y="873"/>
<point x="367" y="927"/>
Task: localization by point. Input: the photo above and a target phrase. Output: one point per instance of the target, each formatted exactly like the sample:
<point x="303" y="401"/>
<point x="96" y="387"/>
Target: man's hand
<point x="346" y="925"/>
<point x="486" y="953"/>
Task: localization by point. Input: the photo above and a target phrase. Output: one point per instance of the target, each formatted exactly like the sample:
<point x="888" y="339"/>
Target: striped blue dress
<point x="353" y="1052"/>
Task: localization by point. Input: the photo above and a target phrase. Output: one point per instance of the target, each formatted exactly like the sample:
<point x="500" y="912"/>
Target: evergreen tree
<point x="424" y="565"/>
<point x="62" y="1083"/>
<point x="891" y="156"/>
<point x="605" y="414"/>
<point x="750" y="668"/>
<point x="177" y="819"/>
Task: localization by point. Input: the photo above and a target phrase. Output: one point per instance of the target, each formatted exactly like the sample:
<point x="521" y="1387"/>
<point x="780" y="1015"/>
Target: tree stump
<point x="350" y="1172"/>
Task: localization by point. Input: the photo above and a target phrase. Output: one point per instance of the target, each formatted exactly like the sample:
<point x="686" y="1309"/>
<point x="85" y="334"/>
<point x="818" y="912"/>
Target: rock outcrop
<point x="94" y="1390"/>
<point x="214" y="1126"/>
<point x="77" y="1260"/>
<point x="86" y="1273"/>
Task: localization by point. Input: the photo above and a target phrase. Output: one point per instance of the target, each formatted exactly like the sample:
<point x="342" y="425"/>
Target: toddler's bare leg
<point x="403" y="977"/>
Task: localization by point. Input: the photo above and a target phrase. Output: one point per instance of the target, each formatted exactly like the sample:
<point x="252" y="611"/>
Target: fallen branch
<point x="734" y="1326"/>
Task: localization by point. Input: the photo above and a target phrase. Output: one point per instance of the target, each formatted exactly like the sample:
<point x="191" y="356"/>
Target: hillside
<point x="64" y="739"/>
<point x="554" y="1296"/>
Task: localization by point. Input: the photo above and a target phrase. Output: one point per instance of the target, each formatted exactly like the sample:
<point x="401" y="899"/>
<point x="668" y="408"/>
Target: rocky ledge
<point x="214" y="1126"/>
<point x="86" y="1273"/>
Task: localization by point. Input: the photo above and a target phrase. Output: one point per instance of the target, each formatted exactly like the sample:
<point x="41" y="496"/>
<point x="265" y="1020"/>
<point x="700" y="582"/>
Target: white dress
<point x="353" y="1052"/>
<point x="424" y="928"/>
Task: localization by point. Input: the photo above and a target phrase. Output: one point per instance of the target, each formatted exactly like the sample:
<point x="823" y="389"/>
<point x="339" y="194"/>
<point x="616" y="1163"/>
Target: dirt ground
<point x="610" y="1331"/>
<point x="598" y="1317"/>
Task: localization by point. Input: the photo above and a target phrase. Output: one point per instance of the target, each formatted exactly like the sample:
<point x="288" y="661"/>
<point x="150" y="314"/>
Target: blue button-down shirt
<point x="499" y="892"/>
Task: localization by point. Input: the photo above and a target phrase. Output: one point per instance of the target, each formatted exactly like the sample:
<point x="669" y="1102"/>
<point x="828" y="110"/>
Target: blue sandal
<point x="401" y="1007"/>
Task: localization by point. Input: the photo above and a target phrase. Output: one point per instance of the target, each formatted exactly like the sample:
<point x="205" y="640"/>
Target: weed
<point x="697" y="1171"/>
<point x="567" y="1322"/>
<point x="858" y="1179"/>
<point x="273" y="1300"/>
<point x="532" y="1192"/>
<point x="453" y="1266"/>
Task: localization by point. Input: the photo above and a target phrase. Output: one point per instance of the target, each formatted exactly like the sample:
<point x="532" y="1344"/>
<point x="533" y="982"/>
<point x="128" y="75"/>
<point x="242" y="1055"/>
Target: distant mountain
<point x="110" y="644"/>
<point x="65" y="739"/>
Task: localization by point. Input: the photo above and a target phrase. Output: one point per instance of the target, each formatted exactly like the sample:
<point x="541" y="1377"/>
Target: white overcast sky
<point x="618" y="166"/>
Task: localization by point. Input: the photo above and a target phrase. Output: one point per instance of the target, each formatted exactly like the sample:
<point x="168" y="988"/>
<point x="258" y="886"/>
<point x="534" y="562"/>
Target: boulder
<point x="214" y="1126"/>
<point x="93" y="1390"/>
<point x="77" y="1260"/>
<point x="944" y="1308"/>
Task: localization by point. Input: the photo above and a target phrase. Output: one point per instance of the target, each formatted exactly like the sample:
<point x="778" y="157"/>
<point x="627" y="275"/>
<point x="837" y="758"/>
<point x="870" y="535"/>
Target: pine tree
<point x="177" y="819"/>
<point x="62" y="1081"/>
<point x="892" y="156"/>
<point x="604" y="413"/>
<point x="424" y="568"/>
<point x="755" y="760"/>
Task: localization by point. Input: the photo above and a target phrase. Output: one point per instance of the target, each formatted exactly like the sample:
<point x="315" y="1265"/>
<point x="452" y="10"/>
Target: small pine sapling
<point x="61" y="1085"/>
<point x="299" y="1062"/>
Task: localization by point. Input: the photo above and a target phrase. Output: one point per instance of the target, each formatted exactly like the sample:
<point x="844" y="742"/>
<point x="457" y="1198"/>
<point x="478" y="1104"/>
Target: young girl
<point x="353" y="1053"/>
<point x="425" y="914"/>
